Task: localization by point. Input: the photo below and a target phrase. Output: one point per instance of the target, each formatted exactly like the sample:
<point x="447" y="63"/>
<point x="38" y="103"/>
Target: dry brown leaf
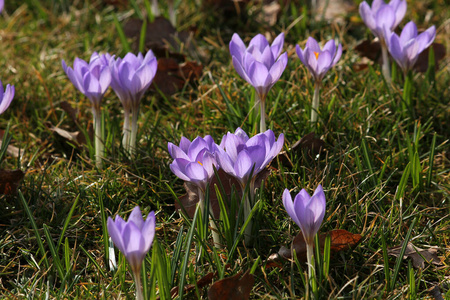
<point x="10" y="181"/>
<point x="204" y="281"/>
<point x="172" y="76"/>
<point x="340" y="240"/>
<point x="308" y="142"/>
<point x="234" y="287"/>
<point x="417" y="255"/>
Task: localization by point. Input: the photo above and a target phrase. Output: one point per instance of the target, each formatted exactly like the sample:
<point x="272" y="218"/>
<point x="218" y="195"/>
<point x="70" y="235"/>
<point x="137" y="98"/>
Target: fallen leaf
<point x="340" y="240"/>
<point x="234" y="287"/>
<point x="204" y="281"/>
<point x="171" y="76"/>
<point x="308" y="142"/>
<point x="160" y="36"/>
<point x="435" y="291"/>
<point x="72" y="112"/>
<point x="417" y="255"/>
<point x="10" y="180"/>
<point x="76" y="137"/>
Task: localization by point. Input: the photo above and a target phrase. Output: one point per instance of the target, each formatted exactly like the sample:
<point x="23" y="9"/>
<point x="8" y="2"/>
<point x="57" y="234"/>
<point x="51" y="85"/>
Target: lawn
<point x="381" y="157"/>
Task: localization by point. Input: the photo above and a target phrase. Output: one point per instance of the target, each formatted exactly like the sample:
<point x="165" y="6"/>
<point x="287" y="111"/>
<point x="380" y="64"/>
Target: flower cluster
<point x="382" y="19"/>
<point x="129" y="77"/>
<point x="261" y="65"/>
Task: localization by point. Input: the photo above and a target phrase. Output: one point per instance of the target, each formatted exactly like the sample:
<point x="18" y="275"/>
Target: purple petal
<point x="6" y="97"/>
<point x="400" y="11"/>
<point x="243" y="166"/>
<point x="426" y="38"/>
<point x="239" y="69"/>
<point x="409" y="32"/>
<point x="384" y="17"/>
<point x="338" y="55"/>
<point x="330" y="47"/>
<point x="178" y="167"/>
<point x="148" y="230"/>
<point x="134" y="245"/>
<point x="323" y="63"/>
<point x="367" y="15"/>
<point x="289" y="206"/>
<point x="136" y="217"/>
<point x="237" y="47"/>
<point x="258" y="74"/>
<point x="312" y="44"/>
<point x="185" y="144"/>
<point x="224" y="161"/>
<point x="277" y="45"/>
<point x="278" y="68"/>
<point x="115" y="234"/>
<point x="259" y="42"/>
<point x="267" y="58"/>
<point x="300" y="54"/>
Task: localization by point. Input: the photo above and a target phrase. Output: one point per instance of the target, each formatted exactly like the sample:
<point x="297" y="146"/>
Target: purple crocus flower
<point x="239" y="155"/>
<point x="194" y="161"/>
<point x="260" y="64"/>
<point x="131" y="77"/>
<point x="134" y="237"/>
<point x="2" y="4"/>
<point x="319" y="61"/>
<point x="306" y="211"/>
<point x="92" y="79"/>
<point x="381" y="15"/>
<point x="405" y="49"/>
<point x="6" y="96"/>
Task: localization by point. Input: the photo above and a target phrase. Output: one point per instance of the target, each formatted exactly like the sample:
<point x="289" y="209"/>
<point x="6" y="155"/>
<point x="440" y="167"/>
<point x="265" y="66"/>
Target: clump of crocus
<point x="243" y="158"/>
<point x="307" y="212"/>
<point x="379" y="17"/>
<point x="6" y="96"/>
<point x="318" y="62"/>
<point x="131" y="77"/>
<point x="194" y="162"/>
<point x="92" y="79"/>
<point x="134" y="239"/>
<point x="260" y="64"/>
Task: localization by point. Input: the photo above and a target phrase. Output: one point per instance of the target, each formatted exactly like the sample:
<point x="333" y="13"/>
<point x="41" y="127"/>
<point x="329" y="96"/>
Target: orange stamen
<point x="200" y="163"/>
<point x="316" y="54"/>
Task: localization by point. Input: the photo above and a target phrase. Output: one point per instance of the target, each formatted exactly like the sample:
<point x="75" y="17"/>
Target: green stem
<point x="407" y="88"/>
<point x="99" y="147"/>
<point x="262" y="104"/>
<point x="309" y="255"/>
<point x="315" y="103"/>
<point x="248" y="238"/>
<point x="134" y="128"/>
<point x="126" y="131"/>
<point x="385" y="66"/>
<point x="137" y="283"/>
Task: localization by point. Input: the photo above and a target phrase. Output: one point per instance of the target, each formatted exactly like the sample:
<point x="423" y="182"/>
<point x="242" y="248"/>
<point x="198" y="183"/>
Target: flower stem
<point x="385" y="67"/>
<point x="134" y="128"/>
<point x="98" y="136"/>
<point x="309" y="256"/>
<point x="126" y="131"/>
<point x="315" y="103"/>
<point x="137" y="283"/>
<point x="262" y="104"/>
<point x="248" y="238"/>
<point x="214" y="231"/>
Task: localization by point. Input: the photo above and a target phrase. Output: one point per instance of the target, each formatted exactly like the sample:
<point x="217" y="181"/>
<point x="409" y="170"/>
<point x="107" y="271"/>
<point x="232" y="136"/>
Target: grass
<point x="385" y="171"/>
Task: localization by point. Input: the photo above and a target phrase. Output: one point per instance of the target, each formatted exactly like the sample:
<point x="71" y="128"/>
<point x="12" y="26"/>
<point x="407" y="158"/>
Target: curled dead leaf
<point x="340" y="240"/>
<point x="234" y="287"/>
<point x="417" y="255"/>
<point x="10" y="181"/>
